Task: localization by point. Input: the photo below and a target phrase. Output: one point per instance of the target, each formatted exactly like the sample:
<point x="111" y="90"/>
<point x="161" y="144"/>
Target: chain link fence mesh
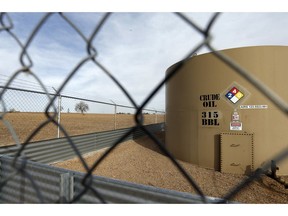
<point x="49" y="102"/>
<point x="24" y="110"/>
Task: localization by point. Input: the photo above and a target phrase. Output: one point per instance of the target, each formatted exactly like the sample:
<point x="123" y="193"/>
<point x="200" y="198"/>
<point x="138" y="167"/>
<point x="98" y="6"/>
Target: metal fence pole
<point x="156" y="116"/>
<point x="59" y="116"/>
<point x="115" y="113"/>
<point x="58" y="112"/>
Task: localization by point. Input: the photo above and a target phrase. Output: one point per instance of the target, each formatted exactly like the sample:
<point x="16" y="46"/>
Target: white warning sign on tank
<point x="236" y="126"/>
<point x="253" y="106"/>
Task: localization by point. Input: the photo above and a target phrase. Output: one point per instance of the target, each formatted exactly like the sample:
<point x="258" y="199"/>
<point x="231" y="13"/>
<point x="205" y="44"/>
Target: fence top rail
<point x="77" y="98"/>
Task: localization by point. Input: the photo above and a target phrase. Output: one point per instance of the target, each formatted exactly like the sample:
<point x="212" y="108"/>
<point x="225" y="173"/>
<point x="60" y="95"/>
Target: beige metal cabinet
<point x="236" y="153"/>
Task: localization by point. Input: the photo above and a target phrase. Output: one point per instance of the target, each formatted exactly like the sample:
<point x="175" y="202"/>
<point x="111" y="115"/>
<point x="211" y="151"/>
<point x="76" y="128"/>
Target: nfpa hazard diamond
<point x="234" y="95"/>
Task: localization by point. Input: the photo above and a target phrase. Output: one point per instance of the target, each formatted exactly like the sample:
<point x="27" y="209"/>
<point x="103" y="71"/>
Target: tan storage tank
<point x="217" y="119"/>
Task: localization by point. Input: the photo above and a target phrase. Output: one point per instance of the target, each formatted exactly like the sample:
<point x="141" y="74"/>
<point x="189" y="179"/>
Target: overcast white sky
<point x="136" y="47"/>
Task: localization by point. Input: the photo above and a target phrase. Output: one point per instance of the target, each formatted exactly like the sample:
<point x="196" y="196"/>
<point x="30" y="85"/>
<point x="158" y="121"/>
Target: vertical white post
<point x="59" y="116"/>
<point x="58" y="112"/>
<point x="156" y="116"/>
<point x="115" y="114"/>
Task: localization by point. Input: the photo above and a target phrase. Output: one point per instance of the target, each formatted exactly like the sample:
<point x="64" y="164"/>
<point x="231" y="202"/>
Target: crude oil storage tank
<point x="216" y="119"/>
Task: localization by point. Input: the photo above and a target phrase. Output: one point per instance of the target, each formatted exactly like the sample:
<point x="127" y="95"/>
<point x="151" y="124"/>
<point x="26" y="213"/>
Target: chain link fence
<point x="24" y="109"/>
<point x="50" y="104"/>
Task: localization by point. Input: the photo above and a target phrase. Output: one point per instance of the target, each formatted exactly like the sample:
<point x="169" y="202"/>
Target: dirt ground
<point x="141" y="162"/>
<point x="74" y="123"/>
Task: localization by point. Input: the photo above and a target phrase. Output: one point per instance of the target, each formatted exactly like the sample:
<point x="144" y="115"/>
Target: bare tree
<point x="81" y="107"/>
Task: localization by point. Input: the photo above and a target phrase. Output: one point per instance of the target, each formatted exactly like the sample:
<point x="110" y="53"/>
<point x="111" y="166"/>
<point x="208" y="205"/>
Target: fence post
<point x="155" y="116"/>
<point x="59" y="115"/>
<point x="58" y="112"/>
<point x="115" y="116"/>
<point x="66" y="187"/>
<point x="115" y="113"/>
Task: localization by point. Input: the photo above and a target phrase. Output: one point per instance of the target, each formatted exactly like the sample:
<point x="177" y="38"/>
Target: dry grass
<point x="74" y="123"/>
<point x="141" y="162"/>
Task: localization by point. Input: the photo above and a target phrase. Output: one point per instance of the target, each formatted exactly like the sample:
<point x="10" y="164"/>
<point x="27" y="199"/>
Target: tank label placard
<point x="209" y="100"/>
<point x="235" y="95"/>
<point x="253" y="106"/>
<point x="236" y="125"/>
<point x="210" y="118"/>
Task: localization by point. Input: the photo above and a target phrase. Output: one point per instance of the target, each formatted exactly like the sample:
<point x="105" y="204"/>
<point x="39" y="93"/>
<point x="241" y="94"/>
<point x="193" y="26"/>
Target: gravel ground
<point x="140" y="161"/>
